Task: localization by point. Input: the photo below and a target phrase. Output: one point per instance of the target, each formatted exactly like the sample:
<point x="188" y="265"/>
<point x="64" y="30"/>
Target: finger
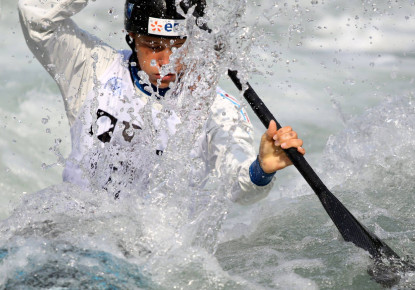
<point x="292" y="143"/>
<point x="287" y="136"/>
<point x="272" y="129"/>
<point x="283" y="131"/>
<point x="301" y="150"/>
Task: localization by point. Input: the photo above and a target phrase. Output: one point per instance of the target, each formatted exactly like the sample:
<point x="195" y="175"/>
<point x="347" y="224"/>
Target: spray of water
<point x="162" y="230"/>
<point x="164" y="221"/>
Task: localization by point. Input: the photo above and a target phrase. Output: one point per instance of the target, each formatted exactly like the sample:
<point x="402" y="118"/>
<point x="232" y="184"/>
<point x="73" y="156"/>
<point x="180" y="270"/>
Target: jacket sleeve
<point x="72" y="56"/>
<point x="231" y="152"/>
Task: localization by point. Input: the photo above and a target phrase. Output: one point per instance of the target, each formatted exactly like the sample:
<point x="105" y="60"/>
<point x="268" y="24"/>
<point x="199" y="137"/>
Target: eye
<point x="157" y="48"/>
<point x="154" y="46"/>
<point x="178" y="44"/>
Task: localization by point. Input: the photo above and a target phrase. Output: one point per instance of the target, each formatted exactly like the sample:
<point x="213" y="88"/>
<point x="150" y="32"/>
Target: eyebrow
<point x="149" y="41"/>
<point x="152" y="42"/>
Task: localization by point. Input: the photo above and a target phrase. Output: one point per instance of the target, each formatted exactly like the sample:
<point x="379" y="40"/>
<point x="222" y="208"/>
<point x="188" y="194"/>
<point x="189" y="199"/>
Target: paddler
<point x="100" y="85"/>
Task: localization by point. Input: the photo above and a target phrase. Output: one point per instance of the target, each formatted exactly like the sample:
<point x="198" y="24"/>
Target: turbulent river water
<point x="340" y="73"/>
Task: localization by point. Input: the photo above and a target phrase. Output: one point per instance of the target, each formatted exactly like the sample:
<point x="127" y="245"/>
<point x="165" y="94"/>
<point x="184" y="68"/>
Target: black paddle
<point x="384" y="272"/>
<point x="348" y="226"/>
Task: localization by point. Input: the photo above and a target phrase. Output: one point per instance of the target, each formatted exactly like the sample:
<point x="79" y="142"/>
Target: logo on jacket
<point x="105" y="126"/>
<point x="114" y="85"/>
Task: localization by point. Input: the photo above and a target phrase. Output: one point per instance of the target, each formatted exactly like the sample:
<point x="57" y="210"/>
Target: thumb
<point x="272" y="129"/>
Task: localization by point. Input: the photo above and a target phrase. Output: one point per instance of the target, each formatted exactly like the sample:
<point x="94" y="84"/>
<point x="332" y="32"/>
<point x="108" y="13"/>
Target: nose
<point x="164" y="56"/>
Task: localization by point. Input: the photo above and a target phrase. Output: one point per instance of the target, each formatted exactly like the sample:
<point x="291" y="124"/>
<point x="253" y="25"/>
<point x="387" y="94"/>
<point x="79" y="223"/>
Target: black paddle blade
<point x="349" y="227"/>
<point x="388" y="267"/>
<point x="353" y="231"/>
<point x="388" y="272"/>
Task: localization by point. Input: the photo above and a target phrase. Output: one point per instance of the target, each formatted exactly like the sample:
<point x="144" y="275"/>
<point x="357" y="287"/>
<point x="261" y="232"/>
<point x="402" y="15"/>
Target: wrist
<point x="260" y="161"/>
<point x="258" y="175"/>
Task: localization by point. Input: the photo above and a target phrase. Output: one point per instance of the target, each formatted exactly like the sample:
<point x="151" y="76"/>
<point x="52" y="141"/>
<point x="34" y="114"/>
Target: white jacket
<point x="78" y="61"/>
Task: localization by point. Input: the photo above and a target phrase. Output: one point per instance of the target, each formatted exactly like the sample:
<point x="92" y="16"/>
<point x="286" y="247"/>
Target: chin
<point x="163" y="86"/>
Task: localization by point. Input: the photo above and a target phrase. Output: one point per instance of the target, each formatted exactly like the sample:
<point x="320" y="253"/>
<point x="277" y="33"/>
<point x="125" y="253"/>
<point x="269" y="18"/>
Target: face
<point x="153" y="53"/>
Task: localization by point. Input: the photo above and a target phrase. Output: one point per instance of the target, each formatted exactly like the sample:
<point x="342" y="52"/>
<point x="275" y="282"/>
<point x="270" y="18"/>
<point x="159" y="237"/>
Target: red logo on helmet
<point x="156" y="26"/>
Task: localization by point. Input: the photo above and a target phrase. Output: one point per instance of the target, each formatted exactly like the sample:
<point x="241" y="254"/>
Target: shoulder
<point x="228" y="106"/>
<point x="112" y="62"/>
<point x="125" y="54"/>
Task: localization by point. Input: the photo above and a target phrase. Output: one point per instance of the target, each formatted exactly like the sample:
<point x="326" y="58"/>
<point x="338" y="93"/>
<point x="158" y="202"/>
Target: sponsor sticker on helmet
<point x="166" y="27"/>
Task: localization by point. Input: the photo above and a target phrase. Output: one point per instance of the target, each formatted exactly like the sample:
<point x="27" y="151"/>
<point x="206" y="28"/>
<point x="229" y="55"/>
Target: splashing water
<point x="298" y="246"/>
<point x="65" y="235"/>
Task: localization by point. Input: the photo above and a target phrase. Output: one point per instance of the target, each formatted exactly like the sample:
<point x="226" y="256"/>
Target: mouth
<point x="168" y="77"/>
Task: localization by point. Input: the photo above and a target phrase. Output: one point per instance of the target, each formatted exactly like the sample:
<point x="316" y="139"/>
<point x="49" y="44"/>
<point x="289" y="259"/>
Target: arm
<point x="66" y="51"/>
<point x="231" y="152"/>
<point x="232" y="155"/>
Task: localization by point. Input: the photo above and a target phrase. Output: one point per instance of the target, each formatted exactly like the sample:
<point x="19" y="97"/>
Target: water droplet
<point x="153" y="62"/>
<point x="45" y="120"/>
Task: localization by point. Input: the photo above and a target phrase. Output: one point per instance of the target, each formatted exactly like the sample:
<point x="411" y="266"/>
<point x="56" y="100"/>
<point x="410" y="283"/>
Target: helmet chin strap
<point x="133" y="58"/>
<point x="131" y="43"/>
